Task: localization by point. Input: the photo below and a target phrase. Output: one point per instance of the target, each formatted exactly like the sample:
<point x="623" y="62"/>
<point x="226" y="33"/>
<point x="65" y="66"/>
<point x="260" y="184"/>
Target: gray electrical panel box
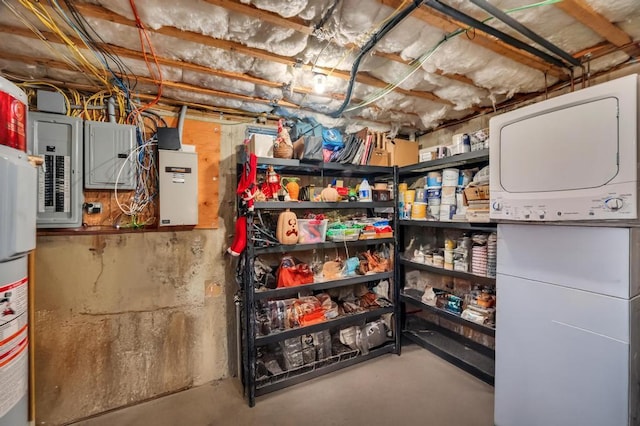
<point x="106" y="155"/>
<point x="178" y="181"/>
<point x="58" y="139"/>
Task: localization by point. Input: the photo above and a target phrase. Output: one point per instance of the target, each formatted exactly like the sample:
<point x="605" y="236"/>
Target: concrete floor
<point x="416" y="388"/>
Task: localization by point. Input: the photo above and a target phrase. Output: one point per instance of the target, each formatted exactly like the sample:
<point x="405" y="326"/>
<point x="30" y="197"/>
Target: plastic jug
<point x="365" y="191"/>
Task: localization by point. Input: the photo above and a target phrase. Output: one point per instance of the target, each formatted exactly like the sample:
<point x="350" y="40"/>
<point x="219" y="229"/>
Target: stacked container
<point x="434" y="193"/>
<point x="448" y="200"/>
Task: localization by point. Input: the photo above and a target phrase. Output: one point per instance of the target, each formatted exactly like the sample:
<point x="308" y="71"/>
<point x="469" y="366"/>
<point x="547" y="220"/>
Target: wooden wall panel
<point x="206" y="138"/>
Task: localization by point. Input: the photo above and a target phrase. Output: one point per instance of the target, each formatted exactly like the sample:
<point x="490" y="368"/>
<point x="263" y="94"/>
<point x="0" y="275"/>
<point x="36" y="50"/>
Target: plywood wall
<point x="205" y="136"/>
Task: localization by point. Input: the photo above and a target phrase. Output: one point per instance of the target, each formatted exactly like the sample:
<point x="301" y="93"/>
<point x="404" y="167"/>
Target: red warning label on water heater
<point x="13" y="117"/>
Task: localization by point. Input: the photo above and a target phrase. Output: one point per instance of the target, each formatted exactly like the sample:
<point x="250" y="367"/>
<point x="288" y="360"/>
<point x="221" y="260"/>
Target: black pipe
<point x="375" y="38"/>
<point x="491" y="9"/>
<point x="472" y="22"/>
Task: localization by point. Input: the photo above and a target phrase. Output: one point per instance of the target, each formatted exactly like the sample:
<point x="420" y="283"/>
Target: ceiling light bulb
<point x="319" y="83"/>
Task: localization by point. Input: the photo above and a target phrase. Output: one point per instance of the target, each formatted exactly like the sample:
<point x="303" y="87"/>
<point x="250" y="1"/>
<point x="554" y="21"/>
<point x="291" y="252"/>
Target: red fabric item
<point x="240" y="237"/>
<point x="292" y="276"/>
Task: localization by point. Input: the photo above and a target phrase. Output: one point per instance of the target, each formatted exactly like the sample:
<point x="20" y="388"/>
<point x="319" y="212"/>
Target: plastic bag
<point x="332" y="139"/>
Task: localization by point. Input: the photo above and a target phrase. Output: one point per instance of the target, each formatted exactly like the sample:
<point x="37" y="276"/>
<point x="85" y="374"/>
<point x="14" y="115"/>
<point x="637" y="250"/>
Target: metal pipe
<point x="183" y="113"/>
<point x="375" y="38"/>
<point x="472" y="22"/>
<point x="236" y="301"/>
<point x="111" y="110"/>
<point x="533" y="36"/>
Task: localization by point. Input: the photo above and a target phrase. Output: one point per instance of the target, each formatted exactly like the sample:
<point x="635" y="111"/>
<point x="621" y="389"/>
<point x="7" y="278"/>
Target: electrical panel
<point x="17" y="204"/>
<point x="106" y="155"/>
<point x="178" y="181"/>
<point x="57" y="138"/>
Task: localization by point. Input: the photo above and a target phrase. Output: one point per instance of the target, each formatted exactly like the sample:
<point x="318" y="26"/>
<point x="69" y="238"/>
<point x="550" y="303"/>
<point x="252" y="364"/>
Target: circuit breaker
<point x="57" y="138"/>
<point x="178" y="180"/>
<point x="106" y="155"/>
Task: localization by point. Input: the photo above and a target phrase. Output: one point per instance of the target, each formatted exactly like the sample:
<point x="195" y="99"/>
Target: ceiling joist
<point x="55" y="64"/>
<point x="297" y="25"/>
<point x="582" y="12"/>
<point x="59" y="65"/>
<point x="480" y="38"/>
<point x="105" y="14"/>
<point x="134" y="54"/>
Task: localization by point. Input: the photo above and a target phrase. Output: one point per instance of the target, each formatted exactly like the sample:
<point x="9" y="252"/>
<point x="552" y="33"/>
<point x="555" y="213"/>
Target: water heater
<point x="17" y="238"/>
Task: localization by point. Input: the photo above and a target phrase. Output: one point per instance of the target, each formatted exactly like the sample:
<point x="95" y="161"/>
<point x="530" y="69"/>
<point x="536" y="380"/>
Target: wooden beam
<point x="480" y="38"/>
<point x="134" y="54"/>
<point x="294" y="23"/>
<point x="52" y="63"/>
<point x="297" y="25"/>
<point x="105" y="14"/>
<point x="584" y="13"/>
<point x="213" y="92"/>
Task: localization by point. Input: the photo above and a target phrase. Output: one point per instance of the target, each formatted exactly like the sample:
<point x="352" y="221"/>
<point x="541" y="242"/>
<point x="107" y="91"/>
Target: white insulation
<point x="333" y="47"/>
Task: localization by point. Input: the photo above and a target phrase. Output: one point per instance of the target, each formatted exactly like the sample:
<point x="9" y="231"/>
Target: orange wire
<point x="142" y="33"/>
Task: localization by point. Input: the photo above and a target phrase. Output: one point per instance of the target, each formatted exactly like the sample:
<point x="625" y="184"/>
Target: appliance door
<point x="569" y="158"/>
<point x="593" y="259"/>
<point x="562" y="356"/>
<point x="562" y="332"/>
<point x="566" y="149"/>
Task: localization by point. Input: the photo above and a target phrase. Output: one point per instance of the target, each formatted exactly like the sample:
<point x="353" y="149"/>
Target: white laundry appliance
<point x="18" y="191"/>
<point x="564" y="184"/>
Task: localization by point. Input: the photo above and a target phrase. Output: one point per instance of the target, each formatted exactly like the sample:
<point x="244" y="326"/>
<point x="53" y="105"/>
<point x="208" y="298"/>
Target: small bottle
<point x="365" y="191"/>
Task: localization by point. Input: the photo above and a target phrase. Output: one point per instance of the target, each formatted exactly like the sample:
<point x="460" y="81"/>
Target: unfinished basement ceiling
<point x="260" y="56"/>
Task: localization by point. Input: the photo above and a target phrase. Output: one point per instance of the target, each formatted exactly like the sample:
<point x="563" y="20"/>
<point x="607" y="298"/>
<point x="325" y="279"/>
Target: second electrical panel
<point x="108" y="156"/>
<point x="178" y="181"/>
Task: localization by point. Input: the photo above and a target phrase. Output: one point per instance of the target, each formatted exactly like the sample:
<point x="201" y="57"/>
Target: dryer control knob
<point x="541" y="214"/>
<point x="614" y="204"/>
<point x="497" y="206"/>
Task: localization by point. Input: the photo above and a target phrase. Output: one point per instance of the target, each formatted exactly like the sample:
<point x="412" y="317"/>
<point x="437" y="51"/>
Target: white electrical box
<point x="178" y="181"/>
<point x="17" y="204"/>
<point x="57" y="138"/>
<point x="106" y="155"/>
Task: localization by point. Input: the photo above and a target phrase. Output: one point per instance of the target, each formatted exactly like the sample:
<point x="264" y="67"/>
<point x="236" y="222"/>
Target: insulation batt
<point x="616" y="11"/>
<point x="352" y="20"/>
<point x="216" y="101"/>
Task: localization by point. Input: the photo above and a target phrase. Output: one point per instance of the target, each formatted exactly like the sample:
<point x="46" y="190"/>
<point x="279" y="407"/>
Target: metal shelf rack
<point x="472" y="357"/>
<point x="248" y="297"/>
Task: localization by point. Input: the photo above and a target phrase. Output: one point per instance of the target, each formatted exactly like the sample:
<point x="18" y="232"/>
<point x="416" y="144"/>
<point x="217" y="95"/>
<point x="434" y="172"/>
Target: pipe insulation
<point x="181" y="116"/>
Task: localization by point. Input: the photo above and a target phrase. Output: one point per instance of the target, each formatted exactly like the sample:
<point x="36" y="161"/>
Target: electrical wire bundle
<point x="87" y="52"/>
<point x="422" y="59"/>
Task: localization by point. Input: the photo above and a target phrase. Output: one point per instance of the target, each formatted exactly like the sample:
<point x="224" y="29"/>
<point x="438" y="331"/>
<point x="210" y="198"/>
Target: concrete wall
<point x="127" y="317"/>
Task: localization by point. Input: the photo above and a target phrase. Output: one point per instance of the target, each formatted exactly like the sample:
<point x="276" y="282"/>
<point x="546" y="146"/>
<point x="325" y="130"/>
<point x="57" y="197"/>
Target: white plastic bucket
<point x="434" y="179"/>
<point x="448" y="195"/>
<point x="446" y="212"/>
<point x="433" y="195"/>
<point x="450" y="177"/>
<point x="433" y="212"/>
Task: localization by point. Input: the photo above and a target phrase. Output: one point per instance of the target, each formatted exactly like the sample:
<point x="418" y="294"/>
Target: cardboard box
<point x="261" y="145"/>
<point x="403" y="152"/>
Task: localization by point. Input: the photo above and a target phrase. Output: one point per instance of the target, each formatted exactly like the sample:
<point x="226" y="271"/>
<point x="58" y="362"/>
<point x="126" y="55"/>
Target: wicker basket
<point x="282" y="150"/>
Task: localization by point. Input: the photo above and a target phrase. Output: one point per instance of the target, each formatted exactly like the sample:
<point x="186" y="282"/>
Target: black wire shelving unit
<point x="454" y="347"/>
<point x="249" y="297"/>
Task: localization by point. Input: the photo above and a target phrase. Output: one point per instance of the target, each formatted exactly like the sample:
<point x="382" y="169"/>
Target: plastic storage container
<point x="312" y="231"/>
<point x="348" y="234"/>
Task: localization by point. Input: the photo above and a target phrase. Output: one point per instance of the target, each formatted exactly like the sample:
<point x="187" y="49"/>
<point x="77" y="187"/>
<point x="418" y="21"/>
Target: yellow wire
<point x="40" y="11"/>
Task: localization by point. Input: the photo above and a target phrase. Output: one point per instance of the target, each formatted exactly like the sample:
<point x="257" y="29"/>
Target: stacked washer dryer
<point x="17" y="237"/>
